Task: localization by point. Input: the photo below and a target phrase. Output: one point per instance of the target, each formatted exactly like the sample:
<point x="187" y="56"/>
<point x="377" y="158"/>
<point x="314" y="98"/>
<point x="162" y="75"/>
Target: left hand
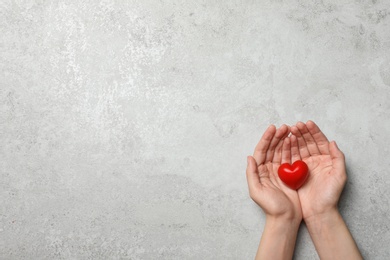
<point x="265" y="187"/>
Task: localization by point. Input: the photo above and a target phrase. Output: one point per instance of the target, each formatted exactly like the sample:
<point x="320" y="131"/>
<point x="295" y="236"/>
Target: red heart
<point x="295" y="175"/>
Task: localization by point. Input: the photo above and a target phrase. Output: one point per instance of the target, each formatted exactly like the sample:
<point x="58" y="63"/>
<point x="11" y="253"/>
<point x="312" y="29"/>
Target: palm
<point x="326" y="166"/>
<point x="276" y="198"/>
<point x="320" y="185"/>
<point x="265" y="186"/>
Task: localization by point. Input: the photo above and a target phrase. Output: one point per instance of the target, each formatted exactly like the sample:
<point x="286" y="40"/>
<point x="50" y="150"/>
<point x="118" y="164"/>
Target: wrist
<point x="326" y="219"/>
<point x="283" y="220"/>
<point x="331" y="236"/>
<point x="312" y="215"/>
<point x="278" y="238"/>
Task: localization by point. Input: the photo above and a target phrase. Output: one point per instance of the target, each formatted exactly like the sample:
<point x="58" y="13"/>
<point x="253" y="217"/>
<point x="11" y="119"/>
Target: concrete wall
<point x="125" y="125"/>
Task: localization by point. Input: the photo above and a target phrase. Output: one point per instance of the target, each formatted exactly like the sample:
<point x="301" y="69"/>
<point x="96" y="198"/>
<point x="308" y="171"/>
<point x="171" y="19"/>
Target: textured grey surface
<point x="125" y="125"/>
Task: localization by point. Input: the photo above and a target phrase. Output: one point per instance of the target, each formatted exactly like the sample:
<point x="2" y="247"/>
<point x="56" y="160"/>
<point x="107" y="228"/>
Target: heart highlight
<point x="295" y="175"/>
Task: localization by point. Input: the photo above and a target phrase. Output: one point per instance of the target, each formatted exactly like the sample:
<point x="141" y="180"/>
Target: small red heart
<point x="295" y="175"/>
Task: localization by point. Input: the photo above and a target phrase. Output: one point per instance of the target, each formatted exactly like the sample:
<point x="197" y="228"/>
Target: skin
<point x="315" y="202"/>
<point x="320" y="195"/>
<point x="280" y="204"/>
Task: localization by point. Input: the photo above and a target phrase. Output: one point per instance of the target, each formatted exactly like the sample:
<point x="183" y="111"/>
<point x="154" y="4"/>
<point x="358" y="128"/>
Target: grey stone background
<point x="125" y="125"/>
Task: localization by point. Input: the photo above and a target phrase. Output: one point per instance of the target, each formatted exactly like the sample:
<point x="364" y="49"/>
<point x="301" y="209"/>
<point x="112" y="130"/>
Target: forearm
<point x="331" y="236"/>
<point x="278" y="239"/>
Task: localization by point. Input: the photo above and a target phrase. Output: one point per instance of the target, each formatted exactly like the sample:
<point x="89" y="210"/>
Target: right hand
<point x="321" y="193"/>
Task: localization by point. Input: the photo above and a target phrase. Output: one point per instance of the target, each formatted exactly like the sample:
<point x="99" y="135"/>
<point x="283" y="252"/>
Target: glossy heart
<point x="295" y="175"/>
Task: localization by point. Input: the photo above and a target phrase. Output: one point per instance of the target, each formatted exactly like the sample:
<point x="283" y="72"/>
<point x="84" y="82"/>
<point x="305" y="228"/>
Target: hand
<point x="265" y="187"/>
<point x="280" y="204"/>
<point x="320" y="194"/>
<point x="326" y="165"/>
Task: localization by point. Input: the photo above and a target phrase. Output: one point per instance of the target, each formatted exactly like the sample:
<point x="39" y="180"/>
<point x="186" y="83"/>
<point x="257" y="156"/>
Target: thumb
<point x="337" y="156"/>
<point x="252" y="175"/>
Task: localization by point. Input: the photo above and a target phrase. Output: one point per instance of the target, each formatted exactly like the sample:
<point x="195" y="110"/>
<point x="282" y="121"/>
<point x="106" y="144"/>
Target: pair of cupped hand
<point x="327" y="175"/>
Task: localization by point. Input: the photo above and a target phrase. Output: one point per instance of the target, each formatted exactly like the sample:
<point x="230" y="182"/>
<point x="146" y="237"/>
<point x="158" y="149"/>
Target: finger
<point x="252" y="176"/>
<point x="262" y="147"/>
<point x="278" y="152"/>
<point x="276" y="140"/>
<point x="278" y="149"/>
<point x="287" y="132"/>
<point x="319" y="137"/>
<point x="309" y="140"/>
<point x="295" y="156"/>
<point x="303" y="151"/>
<point x="338" y="159"/>
<point x="286" y="151"/>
